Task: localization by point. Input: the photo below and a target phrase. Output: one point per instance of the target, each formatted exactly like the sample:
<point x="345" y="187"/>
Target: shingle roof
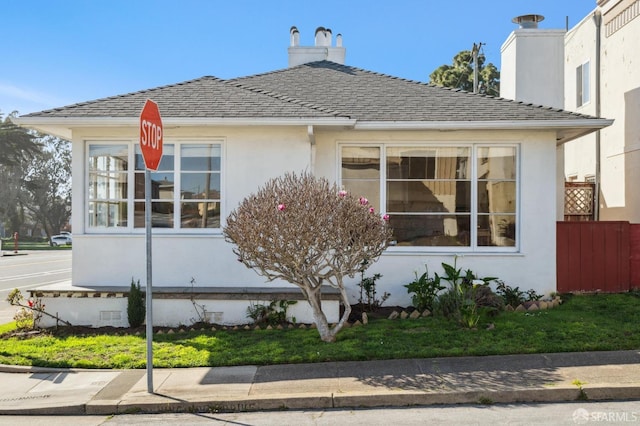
<point x="202" y="97"/>
<point x="315" y="90"/>
<point x="370" y="96"/>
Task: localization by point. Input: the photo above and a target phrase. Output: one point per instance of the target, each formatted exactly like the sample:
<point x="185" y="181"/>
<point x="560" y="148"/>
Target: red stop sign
<point x="151" y="135"/>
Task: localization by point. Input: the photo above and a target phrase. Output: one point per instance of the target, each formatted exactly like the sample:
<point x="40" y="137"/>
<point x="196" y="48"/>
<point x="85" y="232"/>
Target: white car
<point x="60" y="240"/>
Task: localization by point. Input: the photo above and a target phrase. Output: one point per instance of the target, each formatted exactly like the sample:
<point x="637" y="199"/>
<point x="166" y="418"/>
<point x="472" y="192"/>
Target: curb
<point x="386" y="399"/>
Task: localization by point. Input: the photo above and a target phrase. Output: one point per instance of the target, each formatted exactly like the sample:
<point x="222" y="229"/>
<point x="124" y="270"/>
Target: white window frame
<point x="474" y="148"/>
<point x="131" y="199"/>
<point x="583" y="84"/>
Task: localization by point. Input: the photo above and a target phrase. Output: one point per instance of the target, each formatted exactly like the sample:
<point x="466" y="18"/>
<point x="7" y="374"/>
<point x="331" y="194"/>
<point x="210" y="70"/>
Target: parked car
<point x="60" y="240"/>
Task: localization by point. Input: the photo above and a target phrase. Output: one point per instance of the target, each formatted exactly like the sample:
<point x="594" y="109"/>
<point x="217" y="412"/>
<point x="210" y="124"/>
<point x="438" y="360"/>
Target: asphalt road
<point x="29" y="269"/>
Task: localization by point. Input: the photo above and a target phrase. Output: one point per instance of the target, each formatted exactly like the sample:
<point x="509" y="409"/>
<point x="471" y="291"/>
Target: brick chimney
<point x="323" y="49"/>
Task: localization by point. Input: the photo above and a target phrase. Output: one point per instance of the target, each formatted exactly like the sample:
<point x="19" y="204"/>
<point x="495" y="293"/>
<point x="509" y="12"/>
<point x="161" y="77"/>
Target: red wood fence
<point x="597" y="256"/>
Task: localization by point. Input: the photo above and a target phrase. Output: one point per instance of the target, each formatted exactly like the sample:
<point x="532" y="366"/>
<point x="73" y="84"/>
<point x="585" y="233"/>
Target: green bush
<point x="425" y="291"/>
<point x="136" y="310"/>
<point x="273" y="315"/>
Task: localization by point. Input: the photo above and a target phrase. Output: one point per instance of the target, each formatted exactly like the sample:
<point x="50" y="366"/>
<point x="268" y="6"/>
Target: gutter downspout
<point x="597" y="18"/>
<point x="312" y="143"/>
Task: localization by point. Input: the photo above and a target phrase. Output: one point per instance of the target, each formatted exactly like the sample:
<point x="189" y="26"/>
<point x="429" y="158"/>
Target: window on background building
<point x="582" y="84"/>
<point x="438" y="196"/>
<point x="185" y="190"/>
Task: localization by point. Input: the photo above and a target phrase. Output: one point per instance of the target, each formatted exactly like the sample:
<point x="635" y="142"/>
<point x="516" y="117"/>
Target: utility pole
<point x="476" y="68"/>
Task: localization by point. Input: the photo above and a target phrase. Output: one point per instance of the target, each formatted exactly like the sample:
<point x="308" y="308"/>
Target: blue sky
<point x="57" y="53"/>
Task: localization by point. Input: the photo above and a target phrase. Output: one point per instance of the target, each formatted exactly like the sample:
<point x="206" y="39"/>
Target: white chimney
<point x="532" y="63"/>
<point x="321" y="51"/>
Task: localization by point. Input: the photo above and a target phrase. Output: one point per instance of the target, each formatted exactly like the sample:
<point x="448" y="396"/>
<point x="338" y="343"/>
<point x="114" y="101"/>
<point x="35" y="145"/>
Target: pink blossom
<point x="342" y="193"/>
<point x="385" y="217"/>
<point x="372" y="210"/>
<point x="364" y="201"/>
<point x="281" y="207"/>
<point x="30" y="302"/>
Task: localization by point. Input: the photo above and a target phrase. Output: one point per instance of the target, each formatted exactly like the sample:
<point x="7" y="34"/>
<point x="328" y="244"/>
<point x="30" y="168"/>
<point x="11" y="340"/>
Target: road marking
<point x="17" y="265"/>
<point x="35" y="275"/>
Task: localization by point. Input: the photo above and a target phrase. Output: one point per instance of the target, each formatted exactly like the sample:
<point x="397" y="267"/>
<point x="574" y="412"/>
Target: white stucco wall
<point x="102" y="312"/>
<point x="251" y="156"/>
<point x="580" y="154"/>
<point x="620" y="100"/>
<point x="531" y="67"/>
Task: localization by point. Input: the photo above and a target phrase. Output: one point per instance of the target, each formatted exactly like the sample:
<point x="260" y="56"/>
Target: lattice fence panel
<point x="578" y="199"/>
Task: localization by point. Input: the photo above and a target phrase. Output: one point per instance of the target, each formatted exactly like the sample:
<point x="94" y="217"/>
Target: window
<point x="108" y="178"/>
<point x="439" y="196"/>
<point x="200" y="186"/>
<point x="185" y="190"/>
<point x="582" y="84"/>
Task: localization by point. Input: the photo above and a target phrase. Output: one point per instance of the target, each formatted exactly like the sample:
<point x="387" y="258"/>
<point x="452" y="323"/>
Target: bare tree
<point x="303" y="230"/>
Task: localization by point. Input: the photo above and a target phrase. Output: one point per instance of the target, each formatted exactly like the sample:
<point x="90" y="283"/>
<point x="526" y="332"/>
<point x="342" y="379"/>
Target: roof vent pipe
<point x="528" y="21"/>
<point x="295" y="36"/>
<point x="323" y="37"/>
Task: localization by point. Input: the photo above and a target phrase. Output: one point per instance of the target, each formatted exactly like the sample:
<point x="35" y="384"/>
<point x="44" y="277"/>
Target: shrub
<point x="136" y="310"/>
<point x="274" y="314"/>
<point x="368" y="293"/>
<point x="425" y="290"/>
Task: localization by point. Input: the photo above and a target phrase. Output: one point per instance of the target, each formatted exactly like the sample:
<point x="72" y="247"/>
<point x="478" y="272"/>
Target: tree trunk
<point x="327" y="334"/>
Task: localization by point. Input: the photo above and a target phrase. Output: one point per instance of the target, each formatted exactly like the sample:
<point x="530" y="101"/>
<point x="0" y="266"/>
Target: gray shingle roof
<point x="202" y="97"/>
<point x="370" y="96"/>
<point x="315" y="90"/>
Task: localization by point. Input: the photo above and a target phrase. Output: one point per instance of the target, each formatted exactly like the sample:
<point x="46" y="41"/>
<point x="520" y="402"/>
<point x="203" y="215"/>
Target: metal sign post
<point x="151" y="147"/>
<point x="149" y="293"/>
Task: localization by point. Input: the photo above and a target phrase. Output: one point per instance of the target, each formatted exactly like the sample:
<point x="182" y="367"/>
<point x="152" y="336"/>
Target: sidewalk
<point x="466" y="380"/>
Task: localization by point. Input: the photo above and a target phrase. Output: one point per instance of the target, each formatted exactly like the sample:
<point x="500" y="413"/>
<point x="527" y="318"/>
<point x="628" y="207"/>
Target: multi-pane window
<point x="361" y="172"/>
<point x="496" y="196"/>
<point x="582" y="84"/>
<point x="185" y="189"/>
<point x="162" y="189"/>
<point x="200" y="186"/>
<point x="108" y="182"/>
<point x="440" y="196"/>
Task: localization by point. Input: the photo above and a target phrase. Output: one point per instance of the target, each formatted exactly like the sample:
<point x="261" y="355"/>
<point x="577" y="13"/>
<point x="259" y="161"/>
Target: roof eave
<point x="566" y="130"/>
<point x="62" y="126"/>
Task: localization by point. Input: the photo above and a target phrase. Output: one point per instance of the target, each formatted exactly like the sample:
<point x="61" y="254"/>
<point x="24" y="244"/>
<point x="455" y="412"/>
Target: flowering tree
<point x="303" y="230"/>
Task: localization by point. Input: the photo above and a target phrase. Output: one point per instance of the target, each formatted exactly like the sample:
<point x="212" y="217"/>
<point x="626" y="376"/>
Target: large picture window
<point x="185" y="190"/>
<point x="438" y="196"/>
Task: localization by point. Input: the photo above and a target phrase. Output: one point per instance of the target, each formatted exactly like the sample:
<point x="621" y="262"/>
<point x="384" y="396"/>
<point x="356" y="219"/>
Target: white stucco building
<point x="459" y="175"/>
<point x="596" y="73"/>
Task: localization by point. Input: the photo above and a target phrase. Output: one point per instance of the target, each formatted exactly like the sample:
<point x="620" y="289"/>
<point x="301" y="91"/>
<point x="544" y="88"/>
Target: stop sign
<point x="151" y="135"/>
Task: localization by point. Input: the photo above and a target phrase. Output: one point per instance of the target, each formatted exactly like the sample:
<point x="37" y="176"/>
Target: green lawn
<point x="8" y="245"/>
<point x="582" y="323"/>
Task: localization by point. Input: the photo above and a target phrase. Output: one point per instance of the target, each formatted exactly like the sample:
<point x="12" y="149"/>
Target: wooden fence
<point x="598" y="257"/>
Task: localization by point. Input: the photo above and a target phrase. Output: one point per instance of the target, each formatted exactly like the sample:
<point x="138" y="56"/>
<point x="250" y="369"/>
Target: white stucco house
<point x="589" y="69"/>
<point x="459" y="174"/>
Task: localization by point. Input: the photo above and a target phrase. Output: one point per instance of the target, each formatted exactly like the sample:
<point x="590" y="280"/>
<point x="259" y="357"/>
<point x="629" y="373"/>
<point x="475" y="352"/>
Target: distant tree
<point x="16" y="143"/>
<point x="17" y="146"/>
<point x="459" y="75"/>
<point x="303" y="230"/>
<point x="47" y="182"/>
<point x="35" y="176"/>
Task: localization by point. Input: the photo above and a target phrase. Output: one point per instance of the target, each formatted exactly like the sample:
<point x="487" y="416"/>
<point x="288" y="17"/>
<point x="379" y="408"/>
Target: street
<point x="29" y="269"/>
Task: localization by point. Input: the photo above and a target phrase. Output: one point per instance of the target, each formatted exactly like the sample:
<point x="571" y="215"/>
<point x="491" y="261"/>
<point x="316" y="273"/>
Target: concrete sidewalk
<point x="465" y="380"/>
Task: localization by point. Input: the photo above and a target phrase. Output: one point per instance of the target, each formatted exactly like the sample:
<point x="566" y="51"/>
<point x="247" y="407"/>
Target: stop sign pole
<point x="151" y="147"/>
